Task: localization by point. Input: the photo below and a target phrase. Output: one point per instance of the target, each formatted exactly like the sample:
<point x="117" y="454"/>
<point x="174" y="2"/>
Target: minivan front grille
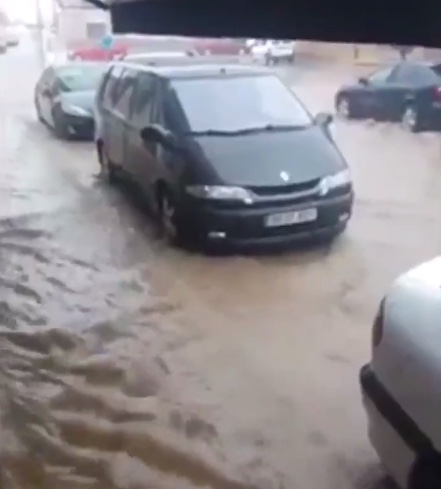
<point x="262" y="203"/>
<point x="267" y="191"/>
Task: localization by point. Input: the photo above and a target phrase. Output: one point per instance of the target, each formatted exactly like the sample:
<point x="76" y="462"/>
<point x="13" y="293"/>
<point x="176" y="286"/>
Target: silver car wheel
<point x="343" y="108"/>
<point x="168" y="214"/>
<point x="410" y="119"/>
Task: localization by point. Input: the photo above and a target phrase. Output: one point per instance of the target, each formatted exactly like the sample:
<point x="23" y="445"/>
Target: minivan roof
<point x="176" y="69"/>
<point x="68" y="64"/>
<point x="154" y="55"/>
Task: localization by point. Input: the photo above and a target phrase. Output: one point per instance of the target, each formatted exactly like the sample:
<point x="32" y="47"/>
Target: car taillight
<point x="377" y="328"/>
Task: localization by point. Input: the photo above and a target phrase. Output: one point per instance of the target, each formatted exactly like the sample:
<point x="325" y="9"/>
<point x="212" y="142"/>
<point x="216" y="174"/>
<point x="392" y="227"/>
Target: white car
<point x="271" y="52"/>
<point x="401" y="386"/>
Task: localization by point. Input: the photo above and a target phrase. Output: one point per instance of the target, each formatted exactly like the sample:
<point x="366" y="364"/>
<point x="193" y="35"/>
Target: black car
<point x="223" y="153"/>
<point x="408" y="92"/>
<point x="64" y="98"/>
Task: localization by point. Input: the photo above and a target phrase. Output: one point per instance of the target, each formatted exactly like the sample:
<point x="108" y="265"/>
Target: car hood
<point x="260" y="159"/>
<point x="84" y="99"/>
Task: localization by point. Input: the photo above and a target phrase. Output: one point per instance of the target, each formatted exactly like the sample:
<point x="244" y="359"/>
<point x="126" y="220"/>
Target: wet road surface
<point x="127" y="365"/>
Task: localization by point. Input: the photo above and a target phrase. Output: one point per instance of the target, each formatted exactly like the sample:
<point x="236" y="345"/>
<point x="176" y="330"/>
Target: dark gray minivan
<point x="224" y="153"/>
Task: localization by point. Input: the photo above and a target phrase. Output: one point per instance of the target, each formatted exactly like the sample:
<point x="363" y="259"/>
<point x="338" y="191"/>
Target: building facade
<point x="78" y="21"/>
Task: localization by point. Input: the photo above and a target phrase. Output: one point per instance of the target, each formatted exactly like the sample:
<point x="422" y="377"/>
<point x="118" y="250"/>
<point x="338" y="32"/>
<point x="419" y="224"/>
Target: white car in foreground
<point x="272" y="52"/>
<point x="401" y="385"/>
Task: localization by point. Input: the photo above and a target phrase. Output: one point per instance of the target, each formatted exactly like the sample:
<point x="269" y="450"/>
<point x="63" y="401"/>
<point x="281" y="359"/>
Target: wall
<point x="72" y="24"/>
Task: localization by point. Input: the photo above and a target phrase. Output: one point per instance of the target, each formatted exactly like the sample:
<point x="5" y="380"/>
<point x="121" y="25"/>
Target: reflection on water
<point x="84" y="381"/>
<point x="91" y="394"/>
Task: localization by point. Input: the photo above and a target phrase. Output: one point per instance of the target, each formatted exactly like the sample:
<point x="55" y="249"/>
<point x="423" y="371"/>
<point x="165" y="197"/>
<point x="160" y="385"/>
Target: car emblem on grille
<point x="284" y="176"/>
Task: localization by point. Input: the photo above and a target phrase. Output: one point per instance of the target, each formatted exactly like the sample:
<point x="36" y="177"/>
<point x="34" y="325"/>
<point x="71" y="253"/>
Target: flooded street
<point x="128" y="365"/>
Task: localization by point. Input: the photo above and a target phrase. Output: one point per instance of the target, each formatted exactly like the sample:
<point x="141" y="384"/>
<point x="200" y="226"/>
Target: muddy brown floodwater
<point x="127" y="365"/>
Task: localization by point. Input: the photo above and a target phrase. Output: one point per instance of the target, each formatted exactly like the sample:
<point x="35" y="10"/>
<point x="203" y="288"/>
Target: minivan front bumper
<point x="395" y="436"/>
<point x="245" y="226"/>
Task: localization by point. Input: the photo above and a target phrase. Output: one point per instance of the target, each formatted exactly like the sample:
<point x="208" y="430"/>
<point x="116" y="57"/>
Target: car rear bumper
<point x="245" y="227"/>
<point x="394" y="435"/>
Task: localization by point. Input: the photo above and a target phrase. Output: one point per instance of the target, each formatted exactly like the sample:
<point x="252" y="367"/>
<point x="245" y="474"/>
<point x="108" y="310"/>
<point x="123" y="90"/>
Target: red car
<point x="96" y="53"/>
<point x="219" y="46"/>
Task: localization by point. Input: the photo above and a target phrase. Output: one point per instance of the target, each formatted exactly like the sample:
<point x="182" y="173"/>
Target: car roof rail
<point x="191" y="59"/>
<point x="157" y="55"/>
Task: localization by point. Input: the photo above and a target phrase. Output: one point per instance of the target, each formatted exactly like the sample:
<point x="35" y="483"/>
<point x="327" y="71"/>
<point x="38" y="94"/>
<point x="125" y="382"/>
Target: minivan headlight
<point x="75" y="110"/>
<point x="219" y="192"/>
<point x="331" y="182"/>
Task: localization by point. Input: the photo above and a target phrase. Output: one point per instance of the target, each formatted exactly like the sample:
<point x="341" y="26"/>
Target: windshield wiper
<point x="249" y="130"/>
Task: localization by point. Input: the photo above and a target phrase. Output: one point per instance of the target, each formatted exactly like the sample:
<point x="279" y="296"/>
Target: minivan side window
<point x="110" y="87"/>
<point x="174" y="119"/>
<point x="124" y="93"/>
<point x="102" y="89"/>
<point x="143" y="103"/>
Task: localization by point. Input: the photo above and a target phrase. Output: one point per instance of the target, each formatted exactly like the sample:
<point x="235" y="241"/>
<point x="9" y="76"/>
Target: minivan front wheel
<point x="172" y="227"/>
<point x="426" y="473"/>
<point x="168" y="217"/>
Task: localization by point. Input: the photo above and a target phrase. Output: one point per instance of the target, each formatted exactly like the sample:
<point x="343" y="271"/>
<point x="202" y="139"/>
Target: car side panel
<point x="408" y="359"/>
<point x="391" y="100"/>
<point x="396" y="456"/>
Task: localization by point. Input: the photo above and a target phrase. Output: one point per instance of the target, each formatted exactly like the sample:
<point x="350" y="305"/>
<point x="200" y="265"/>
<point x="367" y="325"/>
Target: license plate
<point x="289" y="218"/>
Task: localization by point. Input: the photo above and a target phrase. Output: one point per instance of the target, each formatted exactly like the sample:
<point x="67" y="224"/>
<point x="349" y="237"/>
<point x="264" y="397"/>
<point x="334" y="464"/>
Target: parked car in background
<point x="95" y="52"/>
<point x="272" y="52"/>
<point x="213" y="149"/>
<point x="401" y="385"/>
<point x="408" y="92"/>
<point x="64" y="97"/>
<point x="219" y="46"/>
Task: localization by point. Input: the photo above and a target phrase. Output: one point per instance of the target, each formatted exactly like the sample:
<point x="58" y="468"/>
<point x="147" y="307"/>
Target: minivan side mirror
<point x="154" y="133"/>
<point x="363" y="81"/>
<point x="323" y="119"/>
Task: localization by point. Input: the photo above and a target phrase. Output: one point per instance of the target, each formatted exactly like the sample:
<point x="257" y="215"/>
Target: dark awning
<point x="283" y="19"/>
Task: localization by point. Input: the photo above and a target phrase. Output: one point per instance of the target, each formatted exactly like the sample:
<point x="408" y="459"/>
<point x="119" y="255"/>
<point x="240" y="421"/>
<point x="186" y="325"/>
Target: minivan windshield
<point x="80" y="77"/>
<point x="237" y="103"/>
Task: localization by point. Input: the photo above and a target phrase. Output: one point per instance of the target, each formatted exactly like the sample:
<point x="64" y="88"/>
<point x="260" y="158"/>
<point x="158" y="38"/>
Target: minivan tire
<point x="108" y="170"/>
<point x="426" y="473"/>
<point x="172" y="228"/>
